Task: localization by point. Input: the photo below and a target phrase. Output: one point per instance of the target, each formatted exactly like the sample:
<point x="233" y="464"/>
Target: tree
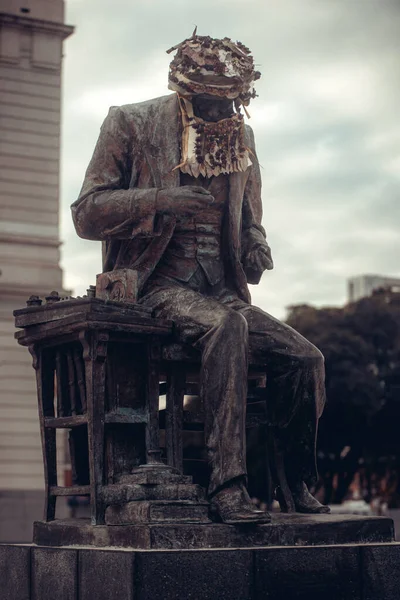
<point x="361" y="345"/>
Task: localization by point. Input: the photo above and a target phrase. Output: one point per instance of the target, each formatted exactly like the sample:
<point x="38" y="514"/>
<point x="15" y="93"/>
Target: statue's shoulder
<point x="249" y="133"/>
<point x="148" y="108"/>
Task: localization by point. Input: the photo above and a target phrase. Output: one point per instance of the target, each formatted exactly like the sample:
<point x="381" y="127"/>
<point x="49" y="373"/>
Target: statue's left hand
<point x="260" y="258"/>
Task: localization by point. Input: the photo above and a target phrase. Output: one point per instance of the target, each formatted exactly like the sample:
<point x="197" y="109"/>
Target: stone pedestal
<point x="341" y="572"/>
<point x="165" y="533"/>
<point x="150" y="536"/>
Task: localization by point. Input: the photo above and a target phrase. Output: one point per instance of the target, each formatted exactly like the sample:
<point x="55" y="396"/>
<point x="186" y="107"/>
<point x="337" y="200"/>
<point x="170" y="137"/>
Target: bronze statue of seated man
<point x="174" y="192"/>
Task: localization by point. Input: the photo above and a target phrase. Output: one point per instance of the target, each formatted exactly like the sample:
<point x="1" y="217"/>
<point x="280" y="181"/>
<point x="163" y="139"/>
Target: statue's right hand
<point x="185" y="201"/>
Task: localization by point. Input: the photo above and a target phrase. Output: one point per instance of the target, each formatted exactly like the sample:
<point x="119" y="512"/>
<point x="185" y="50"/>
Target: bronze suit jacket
<point x="137" y="150"/>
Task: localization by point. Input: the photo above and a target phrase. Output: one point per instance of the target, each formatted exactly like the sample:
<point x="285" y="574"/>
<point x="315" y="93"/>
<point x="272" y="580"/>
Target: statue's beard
<point x="212" y="148"/>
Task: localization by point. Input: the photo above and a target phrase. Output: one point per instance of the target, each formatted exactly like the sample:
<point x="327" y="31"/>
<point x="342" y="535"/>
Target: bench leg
<point x="44" y="367"/>
<point x="176" y="381"/>
<point x="153" y="452"/>
<point x="95" y="353"/>
<point x="277" y="466"/>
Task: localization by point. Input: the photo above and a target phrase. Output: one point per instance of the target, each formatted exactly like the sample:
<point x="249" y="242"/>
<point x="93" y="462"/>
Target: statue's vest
<point x="197" y="241"/>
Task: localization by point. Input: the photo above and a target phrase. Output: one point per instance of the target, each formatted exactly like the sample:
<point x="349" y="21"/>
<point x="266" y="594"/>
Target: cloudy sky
<point x="326" y="123"/>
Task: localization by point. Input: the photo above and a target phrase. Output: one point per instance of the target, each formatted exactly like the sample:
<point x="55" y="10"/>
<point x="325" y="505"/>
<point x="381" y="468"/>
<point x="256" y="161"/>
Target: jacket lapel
<point x="233" y="231"/>
<point x="164" y="150"/>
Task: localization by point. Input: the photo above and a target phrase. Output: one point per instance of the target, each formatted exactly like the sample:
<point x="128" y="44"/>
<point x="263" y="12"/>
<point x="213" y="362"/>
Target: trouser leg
<point x="224" y="392"/>
<point x="295" y="379"/>
<point x="221" y="334"/>
<point x="295" y="391"/>
<point x="301" y="388"/>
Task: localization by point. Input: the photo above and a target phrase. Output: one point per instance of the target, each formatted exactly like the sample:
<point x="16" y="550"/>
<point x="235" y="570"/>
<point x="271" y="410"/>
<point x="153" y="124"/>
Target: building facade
<point x="31" y="40"/>
<point x="364" y="285"/>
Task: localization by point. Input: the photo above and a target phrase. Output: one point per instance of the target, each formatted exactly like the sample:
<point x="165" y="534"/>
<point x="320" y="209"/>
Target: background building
<point x="363" y="285"/>
<point x="31" y="39"/>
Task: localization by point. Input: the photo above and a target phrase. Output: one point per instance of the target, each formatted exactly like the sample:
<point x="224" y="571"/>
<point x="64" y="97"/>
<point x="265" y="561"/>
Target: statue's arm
<point x="256" y="253"/>
<point x="106" y="207"/>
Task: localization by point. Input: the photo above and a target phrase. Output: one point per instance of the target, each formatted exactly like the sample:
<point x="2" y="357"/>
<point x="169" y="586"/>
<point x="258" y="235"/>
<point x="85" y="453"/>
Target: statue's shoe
<point x="232" y="506"/>
<point x="306" y="503"/>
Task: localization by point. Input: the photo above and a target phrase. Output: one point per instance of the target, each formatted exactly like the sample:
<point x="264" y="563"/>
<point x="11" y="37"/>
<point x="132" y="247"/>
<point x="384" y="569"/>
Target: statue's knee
<point x="306" y="354"/>
<point x="235" y="324"/>
<point x="312" y="356"/>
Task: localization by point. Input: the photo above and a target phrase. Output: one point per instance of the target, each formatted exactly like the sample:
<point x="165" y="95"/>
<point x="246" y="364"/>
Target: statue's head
<point x="204" y="66"/>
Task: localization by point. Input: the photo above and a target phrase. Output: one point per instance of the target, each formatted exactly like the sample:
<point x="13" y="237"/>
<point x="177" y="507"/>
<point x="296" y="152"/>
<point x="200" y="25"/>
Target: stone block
<point x="106" y="575"/>
<point x="54" y="574"/>
<point x="120" y="285"/>
<point x="194" y="575"/>
<point x="308" y="573"/>
<point x="155" y="511"/>
<point x="380" y="571"/>
<point x="71" y="532"/>
<point x="15" y="572"/>
<point x="356" y="572"/>
<point x="19" y="508"/>
<point x="133" y="492"/>
<point x="284" y="530"/>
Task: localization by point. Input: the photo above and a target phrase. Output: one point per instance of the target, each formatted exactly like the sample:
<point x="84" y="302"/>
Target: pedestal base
<point x="284" y="530"/>
<point x="160" y="511"/>
<point x="351" y="572"/>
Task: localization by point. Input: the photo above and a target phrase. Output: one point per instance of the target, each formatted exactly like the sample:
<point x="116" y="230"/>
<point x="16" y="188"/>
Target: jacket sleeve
<point x="253" y="233"/>
<point x="106" y="206"/>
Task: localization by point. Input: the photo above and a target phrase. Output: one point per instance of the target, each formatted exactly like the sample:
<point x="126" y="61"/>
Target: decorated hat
<point x="204" y="65"/>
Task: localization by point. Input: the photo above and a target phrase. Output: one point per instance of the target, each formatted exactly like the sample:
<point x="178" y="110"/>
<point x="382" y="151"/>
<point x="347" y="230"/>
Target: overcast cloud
<point x="326" y="124"/>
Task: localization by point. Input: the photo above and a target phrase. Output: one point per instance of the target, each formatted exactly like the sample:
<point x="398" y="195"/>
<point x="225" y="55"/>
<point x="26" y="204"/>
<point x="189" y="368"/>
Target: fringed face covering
<point x="220" y="68"/>
<point x="209" y="148"/>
